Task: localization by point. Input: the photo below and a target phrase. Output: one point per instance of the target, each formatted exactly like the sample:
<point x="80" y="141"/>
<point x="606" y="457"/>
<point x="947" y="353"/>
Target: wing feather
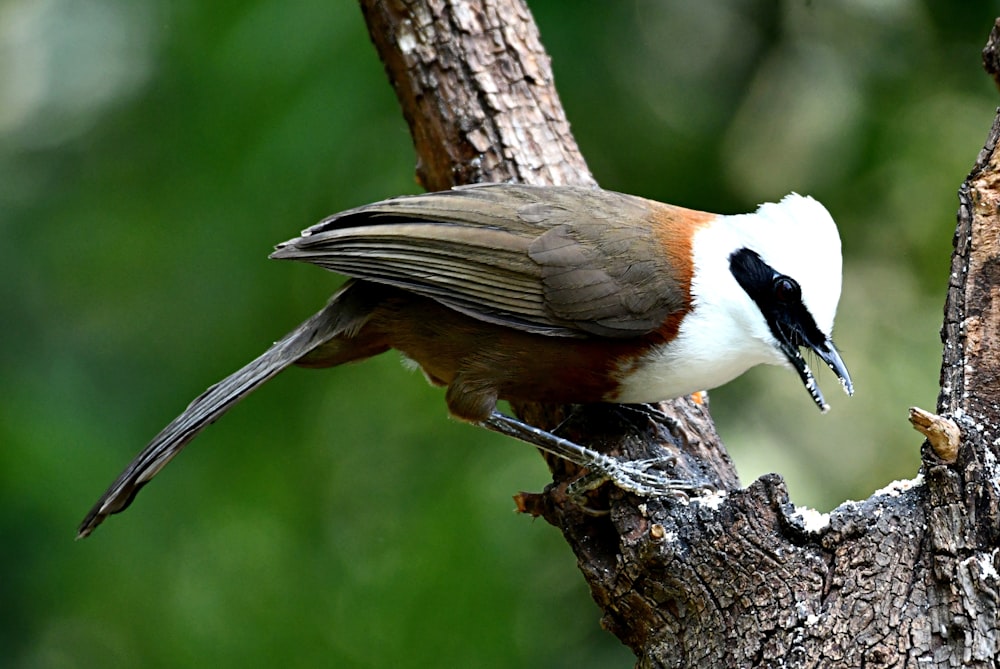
<point x="564" y="261"/>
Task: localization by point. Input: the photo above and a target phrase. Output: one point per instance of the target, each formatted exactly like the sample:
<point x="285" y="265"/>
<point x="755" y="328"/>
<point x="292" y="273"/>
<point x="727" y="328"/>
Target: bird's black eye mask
<point x="779" y="299"/>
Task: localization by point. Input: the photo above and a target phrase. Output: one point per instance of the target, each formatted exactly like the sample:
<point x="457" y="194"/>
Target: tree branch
<point x="738" y="578"/>
<point x="476" y="88"/>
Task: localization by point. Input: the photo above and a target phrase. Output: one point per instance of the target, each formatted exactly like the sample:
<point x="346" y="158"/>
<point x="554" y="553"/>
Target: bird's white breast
<point x="706" y="353"/>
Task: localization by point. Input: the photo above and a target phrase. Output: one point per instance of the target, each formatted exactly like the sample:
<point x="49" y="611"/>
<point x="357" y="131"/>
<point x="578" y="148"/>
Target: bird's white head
<point x="798" y="238"/>
<point x="770" y="281"/>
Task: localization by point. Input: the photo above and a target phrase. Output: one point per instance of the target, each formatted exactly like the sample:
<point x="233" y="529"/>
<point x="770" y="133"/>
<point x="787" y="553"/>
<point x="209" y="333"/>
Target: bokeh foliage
<point x="151" y="153"/>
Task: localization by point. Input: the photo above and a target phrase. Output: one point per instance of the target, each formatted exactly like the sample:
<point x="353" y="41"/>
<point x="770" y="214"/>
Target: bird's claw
<point x="639" y="477"/>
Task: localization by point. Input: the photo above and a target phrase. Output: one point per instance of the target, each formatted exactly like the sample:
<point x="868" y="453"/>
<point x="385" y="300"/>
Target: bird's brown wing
<point x="562" y="261"/>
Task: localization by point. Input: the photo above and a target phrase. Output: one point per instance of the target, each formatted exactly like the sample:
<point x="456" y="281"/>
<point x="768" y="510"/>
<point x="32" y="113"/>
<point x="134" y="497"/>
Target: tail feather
<point x="213" y="403"/>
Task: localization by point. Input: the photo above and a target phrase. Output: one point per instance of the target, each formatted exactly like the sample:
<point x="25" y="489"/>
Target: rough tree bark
<point x="736" y="578"/>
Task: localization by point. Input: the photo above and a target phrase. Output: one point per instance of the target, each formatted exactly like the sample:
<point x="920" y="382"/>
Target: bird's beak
<point x="828" y="354"/>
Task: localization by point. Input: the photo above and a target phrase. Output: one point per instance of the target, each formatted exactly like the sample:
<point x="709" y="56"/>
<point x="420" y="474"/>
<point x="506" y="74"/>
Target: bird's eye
<point x="786" y="290"/>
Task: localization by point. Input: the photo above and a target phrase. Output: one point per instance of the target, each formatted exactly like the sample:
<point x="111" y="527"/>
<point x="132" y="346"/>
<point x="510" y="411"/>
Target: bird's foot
<point x="641" y="477"/>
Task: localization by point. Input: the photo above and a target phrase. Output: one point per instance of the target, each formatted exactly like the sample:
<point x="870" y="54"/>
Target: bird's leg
<point x="636" y="476"/>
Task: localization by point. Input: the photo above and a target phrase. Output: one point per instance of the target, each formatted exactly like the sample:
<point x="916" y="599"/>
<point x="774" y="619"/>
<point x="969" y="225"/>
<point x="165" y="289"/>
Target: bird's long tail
<point x="320" y="329"/>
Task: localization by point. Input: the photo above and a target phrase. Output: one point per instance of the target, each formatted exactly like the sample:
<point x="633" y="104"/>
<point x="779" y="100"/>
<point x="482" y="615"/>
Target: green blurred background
<point x="152" y="152"/>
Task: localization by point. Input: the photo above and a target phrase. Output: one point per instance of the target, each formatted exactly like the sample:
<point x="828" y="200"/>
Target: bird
<point x="551" y="294"/>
